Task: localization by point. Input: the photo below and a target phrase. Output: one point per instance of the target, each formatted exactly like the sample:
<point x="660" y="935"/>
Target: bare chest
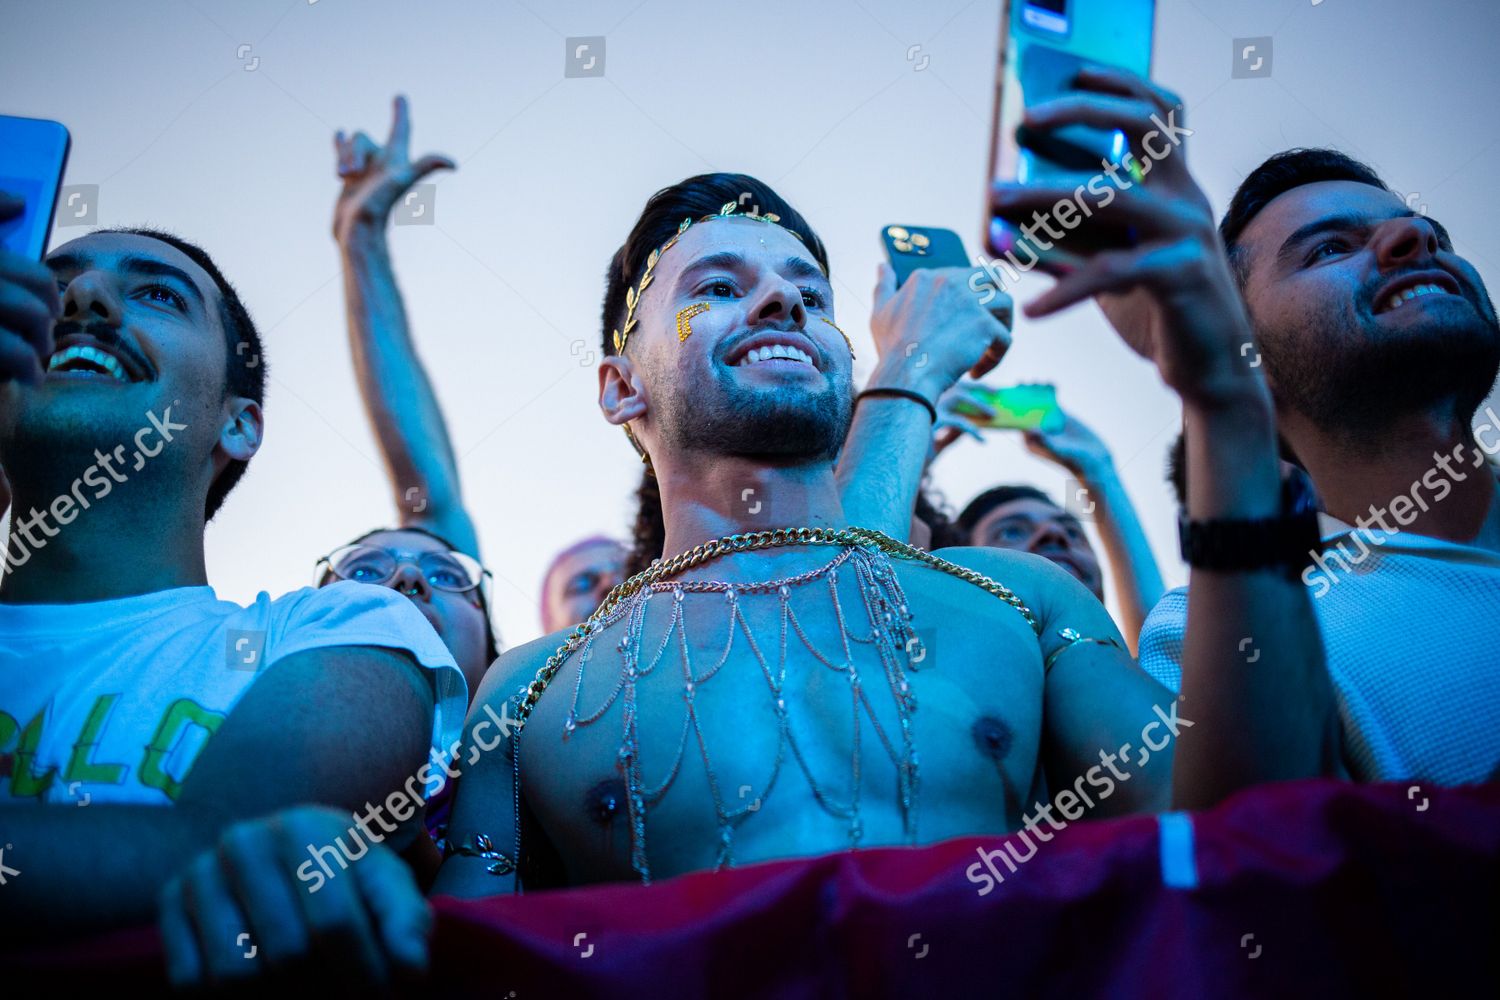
<point x="707" y="728"/>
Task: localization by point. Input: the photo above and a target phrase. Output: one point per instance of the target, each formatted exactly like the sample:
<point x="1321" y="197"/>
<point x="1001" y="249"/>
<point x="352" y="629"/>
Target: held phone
<point x="33" y="153"/>
<point x="911" y="247"/>
<point x="1043" y="45"/>
<point x="1020" y="407"/>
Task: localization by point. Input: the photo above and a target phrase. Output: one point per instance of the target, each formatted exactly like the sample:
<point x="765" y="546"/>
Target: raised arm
<point x="927" y="335"/>
<point x="1132" y="566"/>
<point x="1148" y="247"/>
<point x="398" y="397"/>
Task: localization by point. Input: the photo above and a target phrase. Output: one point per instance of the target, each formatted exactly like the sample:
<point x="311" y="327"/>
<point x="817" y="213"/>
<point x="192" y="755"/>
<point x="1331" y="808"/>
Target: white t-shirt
<point x="113" y="701"/>
<point x="1411" y="633"/>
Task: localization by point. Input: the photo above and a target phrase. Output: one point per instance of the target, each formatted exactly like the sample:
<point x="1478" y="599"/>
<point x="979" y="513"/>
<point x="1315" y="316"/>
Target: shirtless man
<point x="741" y="408"/>
<point x="659" y="759"/>
<point x="983" y="728"/>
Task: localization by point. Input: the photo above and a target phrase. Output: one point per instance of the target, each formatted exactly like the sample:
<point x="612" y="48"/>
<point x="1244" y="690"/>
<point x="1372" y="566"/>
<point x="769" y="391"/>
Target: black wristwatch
<point x="1288" y="541"/>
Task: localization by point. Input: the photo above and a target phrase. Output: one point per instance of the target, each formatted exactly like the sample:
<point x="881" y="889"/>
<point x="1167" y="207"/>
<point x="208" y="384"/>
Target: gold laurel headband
<point x="633" y="294"/>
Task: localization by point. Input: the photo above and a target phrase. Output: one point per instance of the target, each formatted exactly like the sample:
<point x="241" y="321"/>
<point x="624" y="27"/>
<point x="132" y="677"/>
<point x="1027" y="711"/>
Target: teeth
<point x="1398" y="299"/>
<point x="785" y="351"/>
<point x="90" y="354"/>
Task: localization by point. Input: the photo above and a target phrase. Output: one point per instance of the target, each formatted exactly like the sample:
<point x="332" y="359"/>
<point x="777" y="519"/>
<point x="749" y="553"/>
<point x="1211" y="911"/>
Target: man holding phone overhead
<point x="1152" y="256"/>
<point x="1138" y="233"/>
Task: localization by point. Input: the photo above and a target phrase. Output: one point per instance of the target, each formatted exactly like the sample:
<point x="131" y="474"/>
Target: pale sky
<point x="859" y="113"/>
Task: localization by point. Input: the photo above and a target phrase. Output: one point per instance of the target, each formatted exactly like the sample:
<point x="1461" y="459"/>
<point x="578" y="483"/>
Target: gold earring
<point x="841" y="334"/>
<point x="645" y="458"/>
<point x="684" y="319"/>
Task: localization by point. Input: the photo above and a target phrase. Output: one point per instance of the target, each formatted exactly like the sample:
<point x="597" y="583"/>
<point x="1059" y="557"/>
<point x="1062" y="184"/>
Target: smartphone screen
<point x="1019" y="407"/>
<point x="1043" y="45"/>
<point x="911" y="247"/>
<point x="33" y="154"/>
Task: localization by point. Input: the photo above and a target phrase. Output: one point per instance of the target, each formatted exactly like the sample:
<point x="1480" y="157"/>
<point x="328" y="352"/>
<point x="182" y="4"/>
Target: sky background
<point x="215" y="119"/>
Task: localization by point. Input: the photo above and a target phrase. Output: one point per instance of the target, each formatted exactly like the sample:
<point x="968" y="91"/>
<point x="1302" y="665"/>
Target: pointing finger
<point x="400" y="137"/>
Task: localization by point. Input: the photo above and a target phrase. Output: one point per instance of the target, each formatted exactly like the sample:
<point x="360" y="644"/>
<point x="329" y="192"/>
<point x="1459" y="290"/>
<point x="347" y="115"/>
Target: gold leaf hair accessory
<point x="633" y="292"/>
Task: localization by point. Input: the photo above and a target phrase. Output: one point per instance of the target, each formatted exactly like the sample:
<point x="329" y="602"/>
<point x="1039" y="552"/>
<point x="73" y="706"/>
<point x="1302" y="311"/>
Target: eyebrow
<point x="1063" y="517"/>
<point x="733" y="260"/>
<point x="139" y="266"/>
<point x="1343" y="223"/>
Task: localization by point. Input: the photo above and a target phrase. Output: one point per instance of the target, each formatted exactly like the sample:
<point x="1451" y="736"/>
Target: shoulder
<point x="1041" y="585"/>
<point x="1161" y="638"/>
<point x="320" y="604"/>
<point x="1171" y="609"/>
<point x="1055" y="598"/>
<point x="348" y="614"/>
<point x="515" y="668"/>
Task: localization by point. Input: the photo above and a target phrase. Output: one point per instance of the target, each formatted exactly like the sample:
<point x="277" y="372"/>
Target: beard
<point x="1352" y="377"/>
<point x="794" y="423"/>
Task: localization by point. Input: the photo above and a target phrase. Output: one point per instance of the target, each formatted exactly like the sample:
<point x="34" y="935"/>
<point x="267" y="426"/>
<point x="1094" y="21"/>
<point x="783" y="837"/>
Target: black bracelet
<point x="904" y="394"/>
<point x="1288" y="541"/>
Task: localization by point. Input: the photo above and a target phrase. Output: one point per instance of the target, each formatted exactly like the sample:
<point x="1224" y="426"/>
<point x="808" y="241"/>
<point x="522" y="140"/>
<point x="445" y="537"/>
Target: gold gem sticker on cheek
<point x="841" y="333"/>
<point x="685" y="317"/>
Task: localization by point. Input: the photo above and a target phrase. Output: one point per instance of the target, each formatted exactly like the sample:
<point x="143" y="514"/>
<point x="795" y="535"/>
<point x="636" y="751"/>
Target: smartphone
<point x="1020" y="407"/>
<point x="911" y="247"/>
<point x="1043" y="45"/>
<point x="33" y="155"/>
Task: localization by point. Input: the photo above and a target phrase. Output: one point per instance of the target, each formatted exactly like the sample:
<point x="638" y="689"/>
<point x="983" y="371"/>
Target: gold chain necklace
<point x="866" y="539"/>
<point x="752" y="541"/>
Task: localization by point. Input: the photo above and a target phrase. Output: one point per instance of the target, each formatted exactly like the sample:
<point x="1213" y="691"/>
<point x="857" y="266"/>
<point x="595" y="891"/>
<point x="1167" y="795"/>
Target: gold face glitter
<point x="685" y="317"/>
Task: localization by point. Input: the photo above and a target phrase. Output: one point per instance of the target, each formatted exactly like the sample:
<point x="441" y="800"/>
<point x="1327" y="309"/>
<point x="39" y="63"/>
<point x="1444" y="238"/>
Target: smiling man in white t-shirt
<point x="131" y="384"/>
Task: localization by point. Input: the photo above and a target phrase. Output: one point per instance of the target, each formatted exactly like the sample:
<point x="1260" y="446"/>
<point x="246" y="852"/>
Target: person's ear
<point x="622" y="394"/>
<point x="242" y="429"/>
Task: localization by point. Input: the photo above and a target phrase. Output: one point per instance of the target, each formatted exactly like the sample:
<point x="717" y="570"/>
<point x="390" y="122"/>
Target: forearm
<point x="885" y="454"/>
<point x="86" y="869"/>
<point x="880" y="468"/>
<point x="1132" y="565"/>
<point x="1253" y="669"/>
<point x="397" y="394"/>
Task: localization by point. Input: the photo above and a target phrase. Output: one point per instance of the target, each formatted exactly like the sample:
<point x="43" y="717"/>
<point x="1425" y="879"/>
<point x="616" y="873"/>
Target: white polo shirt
<point x="1411" y="632"/>
<point x="113" y="701"/>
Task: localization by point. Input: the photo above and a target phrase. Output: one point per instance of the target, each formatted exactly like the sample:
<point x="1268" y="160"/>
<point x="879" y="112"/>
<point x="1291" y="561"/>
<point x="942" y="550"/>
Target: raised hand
<point x="29" y="306"/>
<point x="375" y="177"/>
<point x="1148" y="248"/>
<point x="961" y="410"/>
<point x="933" y="329"/>
<point x="1074" y="446"/>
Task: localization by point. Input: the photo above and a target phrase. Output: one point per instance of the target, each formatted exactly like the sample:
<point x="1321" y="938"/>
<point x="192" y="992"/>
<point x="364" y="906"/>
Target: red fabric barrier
<point x="1311" y="888"/>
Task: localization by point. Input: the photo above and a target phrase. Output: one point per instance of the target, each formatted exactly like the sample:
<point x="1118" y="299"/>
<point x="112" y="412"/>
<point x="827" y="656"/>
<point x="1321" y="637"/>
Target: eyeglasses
<point x="454" y="572"/>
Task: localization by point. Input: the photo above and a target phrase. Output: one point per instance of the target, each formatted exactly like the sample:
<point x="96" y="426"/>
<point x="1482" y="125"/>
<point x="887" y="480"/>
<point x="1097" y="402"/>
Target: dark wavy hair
<point x="932" y="511"/>
<point x="970" y="516"/>
<point x="245" y="370"/>
<point x="1279" y="174"/>
<point x="649" y="535"/>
